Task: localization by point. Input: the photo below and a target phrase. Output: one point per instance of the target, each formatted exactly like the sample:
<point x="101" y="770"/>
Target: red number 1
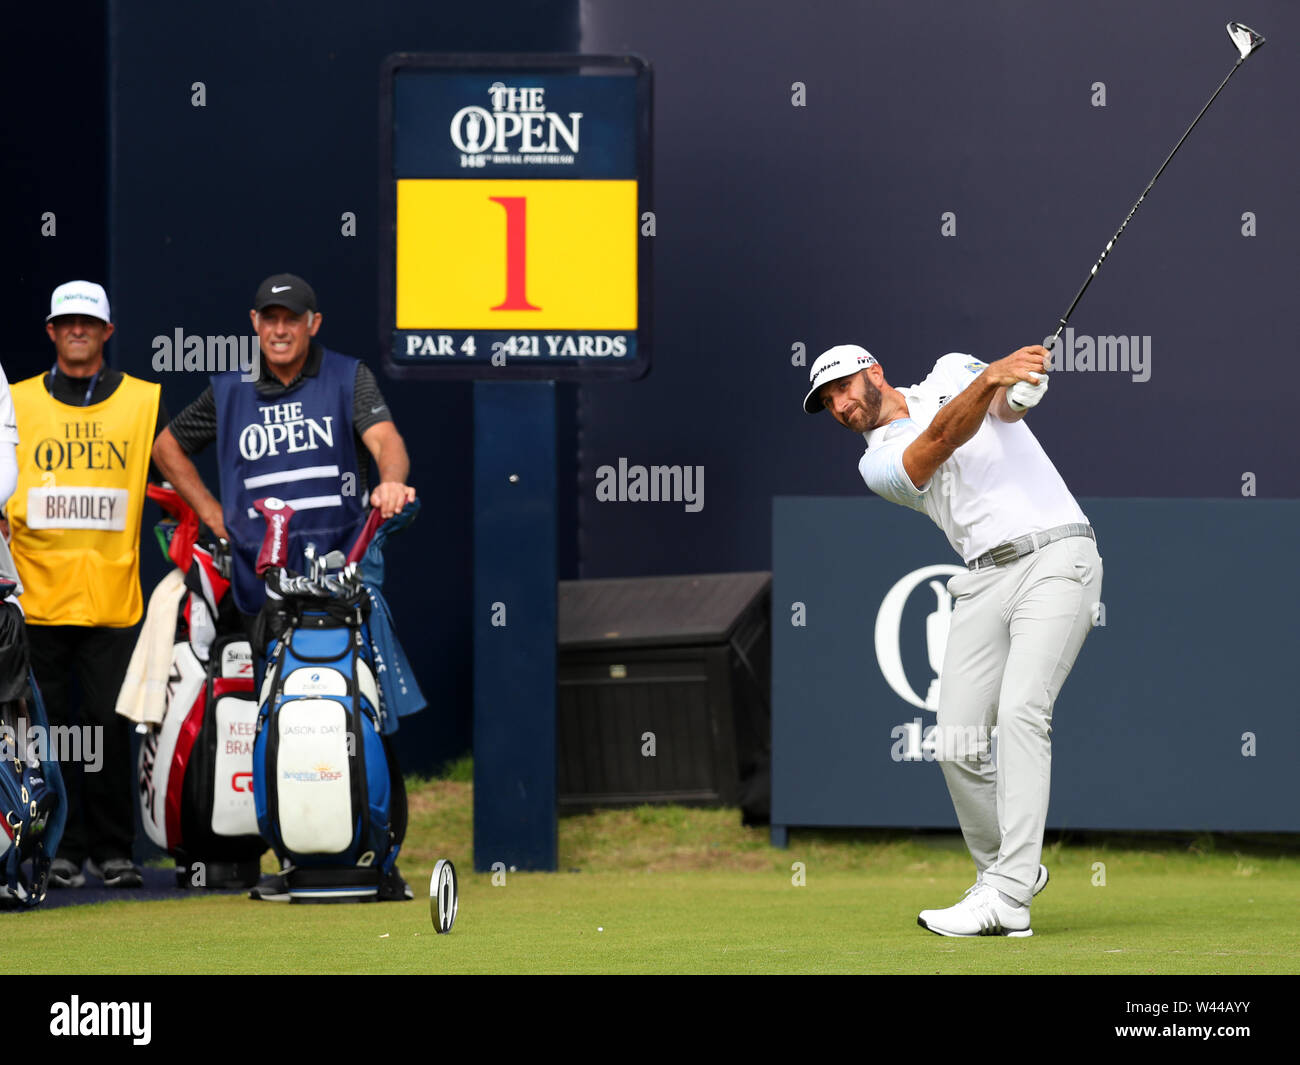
<point x="516" y="208"/>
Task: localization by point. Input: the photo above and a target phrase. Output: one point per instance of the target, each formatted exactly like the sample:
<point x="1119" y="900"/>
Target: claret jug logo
<point x="914" y="742"/>
<point x="889" y="623"/>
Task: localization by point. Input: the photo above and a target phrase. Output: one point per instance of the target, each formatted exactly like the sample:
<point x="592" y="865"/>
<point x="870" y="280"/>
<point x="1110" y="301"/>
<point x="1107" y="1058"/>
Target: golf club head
<point x="1246" y="39"/>
<point x="334" y="560"/>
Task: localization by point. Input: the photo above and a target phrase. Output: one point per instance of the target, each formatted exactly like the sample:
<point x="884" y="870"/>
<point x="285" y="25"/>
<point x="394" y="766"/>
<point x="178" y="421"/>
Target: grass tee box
<point x="676" y="890"/>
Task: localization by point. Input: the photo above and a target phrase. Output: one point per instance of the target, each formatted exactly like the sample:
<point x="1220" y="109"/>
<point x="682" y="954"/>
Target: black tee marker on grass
<point x="444" y="896"/>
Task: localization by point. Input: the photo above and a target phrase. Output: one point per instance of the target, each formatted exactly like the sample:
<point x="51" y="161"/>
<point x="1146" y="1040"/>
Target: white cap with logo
<point x="80" y="297"/>
<point x="843" y="360"/>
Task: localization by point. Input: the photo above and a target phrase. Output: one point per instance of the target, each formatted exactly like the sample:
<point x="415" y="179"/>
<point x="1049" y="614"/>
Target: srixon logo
<point x="148" y="756"/>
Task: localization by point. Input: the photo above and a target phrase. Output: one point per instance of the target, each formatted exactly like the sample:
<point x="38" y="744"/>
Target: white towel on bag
<point x="143" y="698"/>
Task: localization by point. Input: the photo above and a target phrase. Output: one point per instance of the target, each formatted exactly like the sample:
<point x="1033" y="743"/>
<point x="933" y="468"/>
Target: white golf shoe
<point x="981" y="912"/>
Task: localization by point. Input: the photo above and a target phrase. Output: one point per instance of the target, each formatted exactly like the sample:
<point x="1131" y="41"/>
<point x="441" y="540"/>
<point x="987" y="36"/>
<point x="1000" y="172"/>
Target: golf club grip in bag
<point x="330" y="799"/>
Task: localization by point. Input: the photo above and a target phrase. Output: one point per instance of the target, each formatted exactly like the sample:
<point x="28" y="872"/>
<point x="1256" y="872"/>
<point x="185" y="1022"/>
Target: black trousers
<point x="101" y="804"/>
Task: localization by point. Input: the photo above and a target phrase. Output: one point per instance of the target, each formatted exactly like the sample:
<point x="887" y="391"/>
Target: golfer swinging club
<point x="956" y="448"/>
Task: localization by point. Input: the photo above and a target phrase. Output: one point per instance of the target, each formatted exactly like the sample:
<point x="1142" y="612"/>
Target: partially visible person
<point x="8" y="478"/>
<point x="85" y="431"/>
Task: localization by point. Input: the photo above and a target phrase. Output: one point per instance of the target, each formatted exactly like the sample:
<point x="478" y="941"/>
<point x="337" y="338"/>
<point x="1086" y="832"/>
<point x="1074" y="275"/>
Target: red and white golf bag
<point x="198" y="718"/>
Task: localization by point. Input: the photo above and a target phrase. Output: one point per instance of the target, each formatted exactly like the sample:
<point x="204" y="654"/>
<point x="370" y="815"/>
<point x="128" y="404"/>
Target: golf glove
<point x="1022" y="395"/>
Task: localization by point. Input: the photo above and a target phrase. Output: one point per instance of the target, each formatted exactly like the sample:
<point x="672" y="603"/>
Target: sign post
<point x="513" y="190"/>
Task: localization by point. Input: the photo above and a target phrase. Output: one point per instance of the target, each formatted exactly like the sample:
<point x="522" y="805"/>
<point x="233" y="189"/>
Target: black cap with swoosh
<point x="285" y="290"/>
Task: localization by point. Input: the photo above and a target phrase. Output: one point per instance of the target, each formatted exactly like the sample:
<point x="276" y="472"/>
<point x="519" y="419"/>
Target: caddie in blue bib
<point x="298" y="446"/>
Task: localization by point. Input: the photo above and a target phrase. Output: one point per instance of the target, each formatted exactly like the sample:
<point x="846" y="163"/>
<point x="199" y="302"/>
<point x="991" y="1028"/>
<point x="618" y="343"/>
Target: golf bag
<point x="33" y="801"/>
<point x="195" y="767"/>
<point x="328" y="791"/>
<point x="327" y="785"/>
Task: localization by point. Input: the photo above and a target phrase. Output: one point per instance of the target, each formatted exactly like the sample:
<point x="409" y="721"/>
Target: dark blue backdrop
<point x="776" y="225"/>
<point x="821" y="224"/>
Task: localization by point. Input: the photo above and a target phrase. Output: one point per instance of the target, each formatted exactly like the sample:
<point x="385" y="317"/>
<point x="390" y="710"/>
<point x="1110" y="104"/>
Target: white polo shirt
<point x="997" y="486"/>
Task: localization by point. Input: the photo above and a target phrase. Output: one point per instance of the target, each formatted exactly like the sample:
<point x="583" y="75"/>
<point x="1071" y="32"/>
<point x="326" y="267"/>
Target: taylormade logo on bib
<point x="284" y="430"/>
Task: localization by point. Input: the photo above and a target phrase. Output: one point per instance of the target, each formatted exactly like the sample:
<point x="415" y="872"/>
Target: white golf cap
<point x="843" y="360"/>
<point x="80" y="297"/>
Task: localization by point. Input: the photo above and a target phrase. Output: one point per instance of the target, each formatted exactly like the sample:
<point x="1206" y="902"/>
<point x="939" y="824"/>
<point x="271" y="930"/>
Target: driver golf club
<point x="1247" y="43"/>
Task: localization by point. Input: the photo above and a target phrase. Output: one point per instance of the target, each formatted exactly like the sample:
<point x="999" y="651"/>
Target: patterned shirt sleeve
<point x="196" y="426"/>
<point x="368" y="406"/>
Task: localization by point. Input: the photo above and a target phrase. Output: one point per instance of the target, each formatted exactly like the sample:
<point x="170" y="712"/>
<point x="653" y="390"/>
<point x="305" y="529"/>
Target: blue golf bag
<point x="327" y="787"/>
<point x="33" y="800"/>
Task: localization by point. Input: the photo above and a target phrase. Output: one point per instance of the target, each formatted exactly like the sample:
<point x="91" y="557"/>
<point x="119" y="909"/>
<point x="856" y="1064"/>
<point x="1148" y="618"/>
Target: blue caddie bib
<point x="300" y="447"/>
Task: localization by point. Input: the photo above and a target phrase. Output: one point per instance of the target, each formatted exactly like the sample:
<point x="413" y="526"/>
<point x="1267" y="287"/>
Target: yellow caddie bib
<point x="75" y="515"/>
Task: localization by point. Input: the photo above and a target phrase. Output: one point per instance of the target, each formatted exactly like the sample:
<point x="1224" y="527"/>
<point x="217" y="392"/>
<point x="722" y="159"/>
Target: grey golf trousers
<point x="1013" y="637"/>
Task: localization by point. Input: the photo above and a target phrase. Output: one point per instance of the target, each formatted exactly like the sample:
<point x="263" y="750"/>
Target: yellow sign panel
<point x="516" y="255"/>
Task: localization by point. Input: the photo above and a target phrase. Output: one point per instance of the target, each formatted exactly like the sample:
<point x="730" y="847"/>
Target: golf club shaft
<point x="1065" y="318"/>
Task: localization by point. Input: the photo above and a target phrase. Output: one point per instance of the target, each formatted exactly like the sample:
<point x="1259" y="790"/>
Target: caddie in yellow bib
<point x="85" y="432"/>
<point x="76" y="512"/>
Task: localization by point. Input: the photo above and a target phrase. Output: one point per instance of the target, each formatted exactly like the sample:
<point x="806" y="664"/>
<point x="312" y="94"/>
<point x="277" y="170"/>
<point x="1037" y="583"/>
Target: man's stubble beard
<point x="871" y="403"/>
